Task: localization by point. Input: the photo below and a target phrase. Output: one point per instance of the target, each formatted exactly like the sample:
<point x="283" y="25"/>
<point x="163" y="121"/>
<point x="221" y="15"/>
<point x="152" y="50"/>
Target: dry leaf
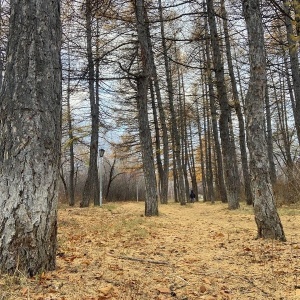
<point x="106" y="290"/>
<point x="164" y="290"/>
<point x="203" y="289"/>
<point x="24" y="291"/>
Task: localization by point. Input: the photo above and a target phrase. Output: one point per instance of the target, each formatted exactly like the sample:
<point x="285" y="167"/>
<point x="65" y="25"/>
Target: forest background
<point x="195" y="118"/>
<point x="100" y="68"/>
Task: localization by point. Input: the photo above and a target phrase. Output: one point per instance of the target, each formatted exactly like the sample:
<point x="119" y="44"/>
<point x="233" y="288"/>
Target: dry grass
<point x="199" y="251"/>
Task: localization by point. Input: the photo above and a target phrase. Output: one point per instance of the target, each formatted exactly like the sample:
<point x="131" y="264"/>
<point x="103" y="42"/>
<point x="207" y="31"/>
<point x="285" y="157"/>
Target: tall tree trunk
<point x="231" y="175"/>
<point x="30" y="134"/>
<point x="238" y="110"/>
<point x="266" y="216"/>
<point x="192" y="164"/>
<point x="157" y="138"/>
<point x="183" y="127"/>
<point x="174" y="125"/>
<point x="91" y="187"/>
<point x="293" y="52"/>
<point x="164" y="172"/>
<point x="269" y="138"/>
<point x="151" y="204"/>
<point x="71" y="137"/>
<point x="198" y="118"/>
<point x="209" y="163"/>
<point x="213" y="111"/>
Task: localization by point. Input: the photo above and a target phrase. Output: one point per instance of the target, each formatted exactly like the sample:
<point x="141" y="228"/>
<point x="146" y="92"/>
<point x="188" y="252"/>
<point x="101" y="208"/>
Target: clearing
<point x="197" y="251"/>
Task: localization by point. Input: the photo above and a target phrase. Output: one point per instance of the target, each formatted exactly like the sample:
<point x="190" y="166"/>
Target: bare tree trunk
<point x="266" y="216"/>
<point x="191" y="163"/>
<point x="164" y="167"/>
<point x="231" y="175"/>
<point x="213" y="111"/>
<point x="71" y="138"/>
<point x="183" y="127"/>
<point x="211" y="195"/>
<point x="165" y="175"/>
<point x="238" y="110"/>
<point x="293" y="52"/>
<point x="91" y="187"/>
<point x="270" y="138"/>
<point x="30" y="134"/>
<point x="151" y="204"/>
<point x="160" y="169"/>
<point x="198" y="118"/>
<point x="174" y="129"/>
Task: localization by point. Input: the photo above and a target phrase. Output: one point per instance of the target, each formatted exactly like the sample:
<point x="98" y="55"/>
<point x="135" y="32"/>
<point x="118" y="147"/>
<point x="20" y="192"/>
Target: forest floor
<point x="196" y="251"/>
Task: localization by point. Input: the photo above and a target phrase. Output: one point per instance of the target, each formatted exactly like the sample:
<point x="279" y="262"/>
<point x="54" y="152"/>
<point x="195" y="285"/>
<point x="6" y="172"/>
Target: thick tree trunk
<point x="151" y="204"/>
<point x="30" y="133"/>
<point x="266" y="216"/>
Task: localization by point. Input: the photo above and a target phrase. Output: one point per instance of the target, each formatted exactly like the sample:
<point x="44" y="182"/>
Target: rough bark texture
<point x="30" y="127"/>
<point x="266" y="216"/>
<point x="151" y="203"/>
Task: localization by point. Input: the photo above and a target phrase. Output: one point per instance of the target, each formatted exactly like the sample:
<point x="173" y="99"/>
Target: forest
<point x="121" y="100"/>
<point x="199" y="67"/>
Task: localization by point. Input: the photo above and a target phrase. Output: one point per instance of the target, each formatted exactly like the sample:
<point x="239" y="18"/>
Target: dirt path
<point x="197" y="251"/>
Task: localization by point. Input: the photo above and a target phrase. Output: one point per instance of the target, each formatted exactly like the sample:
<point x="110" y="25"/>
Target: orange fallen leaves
<point x="200" y="251"/>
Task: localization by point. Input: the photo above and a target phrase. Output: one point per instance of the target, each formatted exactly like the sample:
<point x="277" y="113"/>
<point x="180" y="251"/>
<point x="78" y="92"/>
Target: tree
<point x="231" y="175"/>
<point x="142" y="83"/>
<point x="177" y="163"/>
<point x="91" y="187"/>
<point x="238" y="109"/>
<point x="294" y="60"/>
<point x="30" y="133"/>
<point x="266" y="216"/>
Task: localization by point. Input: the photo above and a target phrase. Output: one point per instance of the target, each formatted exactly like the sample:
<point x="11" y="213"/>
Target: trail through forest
<point x="197" y="251"/>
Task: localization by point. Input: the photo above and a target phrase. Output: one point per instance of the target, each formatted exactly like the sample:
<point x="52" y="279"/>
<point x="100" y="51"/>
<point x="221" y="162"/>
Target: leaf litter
<point x="196" y="251"/>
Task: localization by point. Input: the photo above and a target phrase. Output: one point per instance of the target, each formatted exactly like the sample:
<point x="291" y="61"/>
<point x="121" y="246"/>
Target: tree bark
<point x="151" y="204"/>
<point x="214" y="124"/>
<point x="163" y="167"/>
<point x="238" y="110"/>
<point x="30" y="134"/>
<point x="174" y="130"/>
<point x="266" y="216"/>
<point x="71" y="137"/>
<point x="294" y="59"/>
<point x="231" y="175"/>
<point x="91" y="187"/>
<point x="269" y="139"/>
